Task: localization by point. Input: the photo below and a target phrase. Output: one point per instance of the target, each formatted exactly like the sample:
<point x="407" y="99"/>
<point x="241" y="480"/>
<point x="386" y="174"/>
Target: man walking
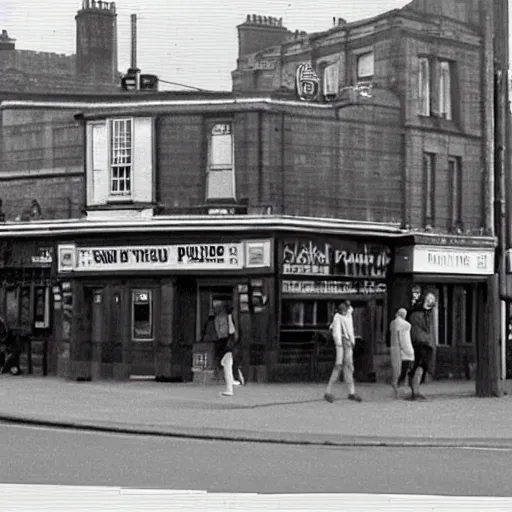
<point x="344" y="341"/>
<point x="402" y="352"/>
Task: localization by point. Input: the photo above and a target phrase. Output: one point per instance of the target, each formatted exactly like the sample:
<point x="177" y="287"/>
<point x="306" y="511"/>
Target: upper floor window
<point x="445" y="89"/>
<point x="455" y="174"/>
<point x="365" y="67"/>
<point x="221" y="170"/>
<point x="121" y="157"/>
<point x="435" y="87"/>
<point x="119" y="163"/>
<point x="424" y="87"/>
<point x="429" y="164"/>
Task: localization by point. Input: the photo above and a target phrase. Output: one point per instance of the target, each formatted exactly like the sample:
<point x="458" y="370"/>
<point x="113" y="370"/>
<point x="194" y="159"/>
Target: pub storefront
<point x="455" y="271"/>
<point x="136" y="310"/>
<point x="316" y="274"/>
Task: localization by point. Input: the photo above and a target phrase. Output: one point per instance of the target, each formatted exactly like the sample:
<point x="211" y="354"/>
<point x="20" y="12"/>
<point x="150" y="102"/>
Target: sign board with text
<point x="453" y="260"/>
<point x="363" y="287"/>
<point x="334" y="257"/>
<point x="176" y="257"/>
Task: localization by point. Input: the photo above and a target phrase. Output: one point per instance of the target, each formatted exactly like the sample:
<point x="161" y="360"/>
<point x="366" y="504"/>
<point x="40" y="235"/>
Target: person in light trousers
<point x="401" y="349"/>
<point x="344" y="341"/>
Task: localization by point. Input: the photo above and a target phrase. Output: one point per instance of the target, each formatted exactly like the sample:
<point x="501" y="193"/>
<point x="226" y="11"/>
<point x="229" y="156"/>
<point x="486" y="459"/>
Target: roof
<point x="200" y="223"/>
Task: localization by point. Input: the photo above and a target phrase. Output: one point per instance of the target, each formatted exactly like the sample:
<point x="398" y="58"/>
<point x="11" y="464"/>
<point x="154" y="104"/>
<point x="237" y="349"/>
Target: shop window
<point x="445" y="309"/>
<point x="306" y="313"/>
<point x="220" y="172"/>
<point x="142" y="315"/>
<point x="121" y="157"/>
<point x="41" y="307"/>
<point x="11" y="307"/>
<point x="470" y="314"/>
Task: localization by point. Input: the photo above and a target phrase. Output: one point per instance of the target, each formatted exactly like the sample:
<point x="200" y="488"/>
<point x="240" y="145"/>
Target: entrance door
<point x="142" y="332"/>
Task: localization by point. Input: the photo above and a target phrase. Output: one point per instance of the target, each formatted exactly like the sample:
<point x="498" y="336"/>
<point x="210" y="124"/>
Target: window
<point x="301" y="313"/>
<point x="424" y="87"/>
<point x="41" y="307"/>
<point x="142" y="315"/>
<point x="435" y="87"/>
<point x="331" y="81"/>
<point x="445" y="90"/>
<point x="445" y="309"/>
<point x="365" y="65"/>
<point x="455" y="174"/>
<point x="429" y="161"/>
<point x="121" y="157"/>
<point x="220" y="172"/>
<point x="470" y="313"/>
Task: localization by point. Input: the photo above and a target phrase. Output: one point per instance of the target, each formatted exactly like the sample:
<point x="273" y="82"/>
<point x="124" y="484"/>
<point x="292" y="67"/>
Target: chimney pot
<point x="248" y="20"/>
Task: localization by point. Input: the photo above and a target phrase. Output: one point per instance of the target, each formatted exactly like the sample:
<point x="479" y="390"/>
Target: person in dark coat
<point x="423" y="343"/>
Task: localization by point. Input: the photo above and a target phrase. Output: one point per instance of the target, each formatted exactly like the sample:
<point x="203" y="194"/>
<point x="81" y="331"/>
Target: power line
<point x="182" y="85"/>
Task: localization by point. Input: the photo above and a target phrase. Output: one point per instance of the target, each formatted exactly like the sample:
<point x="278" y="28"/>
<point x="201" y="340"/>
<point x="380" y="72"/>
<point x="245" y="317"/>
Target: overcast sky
<point x="194" y="42"/>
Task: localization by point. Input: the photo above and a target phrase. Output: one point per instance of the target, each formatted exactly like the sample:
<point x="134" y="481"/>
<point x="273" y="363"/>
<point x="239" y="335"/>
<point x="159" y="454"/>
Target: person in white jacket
<point x="402" y="352"/>
<point x="342" y="328"/>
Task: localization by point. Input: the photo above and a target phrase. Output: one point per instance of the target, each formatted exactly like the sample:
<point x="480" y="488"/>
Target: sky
<point x="192" y="42"/>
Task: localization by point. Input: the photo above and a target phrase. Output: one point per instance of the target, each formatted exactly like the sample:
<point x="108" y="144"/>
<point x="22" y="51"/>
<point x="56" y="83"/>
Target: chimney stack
<point x="259" y="32"/>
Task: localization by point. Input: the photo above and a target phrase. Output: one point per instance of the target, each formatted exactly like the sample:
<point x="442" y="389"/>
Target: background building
<point x="357" y="163"/>
<point x="93" y="69"/>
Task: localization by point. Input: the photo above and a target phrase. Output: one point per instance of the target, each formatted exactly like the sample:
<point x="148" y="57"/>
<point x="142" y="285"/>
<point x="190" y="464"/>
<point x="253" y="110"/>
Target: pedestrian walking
<point x="344" y="340"/>
<point x="226" y="338"/>
<point x="402" y="352"/>
<point x="423" y="344"/>
<point x="238" y="376"/>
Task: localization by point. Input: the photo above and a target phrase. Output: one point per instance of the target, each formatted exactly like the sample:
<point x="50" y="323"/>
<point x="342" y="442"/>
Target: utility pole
<point x="492" y="337"/>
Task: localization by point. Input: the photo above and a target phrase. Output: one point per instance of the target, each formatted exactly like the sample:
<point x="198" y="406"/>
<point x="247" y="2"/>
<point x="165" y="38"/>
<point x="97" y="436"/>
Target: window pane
<point x="309" y="312"/>
<point x="142" y="315"/>
<point x="365" y="66"/>
<point x="121" y="156"/>
<point x="424" y="86"/>
<point x="445" y="100"/>
<point x="293" y="313"/>
<point x="322" y="313"/>
<point x="221" y="150"/>
<point x="428" y="169"/>
<point x="220" y="184"/>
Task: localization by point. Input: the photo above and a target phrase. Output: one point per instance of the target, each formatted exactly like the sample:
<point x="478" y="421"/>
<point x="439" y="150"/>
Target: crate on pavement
<point x="203" y="362"/>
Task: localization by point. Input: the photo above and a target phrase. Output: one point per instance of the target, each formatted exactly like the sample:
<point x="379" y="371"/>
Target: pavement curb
<point x="248" y="436"/>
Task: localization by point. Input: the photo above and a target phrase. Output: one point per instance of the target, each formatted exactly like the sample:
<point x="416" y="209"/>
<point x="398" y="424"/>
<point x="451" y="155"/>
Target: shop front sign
<point x="336" y="258"/>
<point x="453" y="260"/>
<point x="364" y="287"/>
<point x="151" y="257"/>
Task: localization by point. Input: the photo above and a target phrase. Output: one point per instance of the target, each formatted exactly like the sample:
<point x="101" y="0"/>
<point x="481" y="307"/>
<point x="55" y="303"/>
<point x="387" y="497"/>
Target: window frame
<point x="429" y="183"/>
<point x="133" y="303"/>
<point x="361" y="80"/>
<point x="445" y="90"/>
<point x="212" y="168"/>
<point x="455" y="173"/>
<point x="120" y="195"/>
<point x="425" y="104"/>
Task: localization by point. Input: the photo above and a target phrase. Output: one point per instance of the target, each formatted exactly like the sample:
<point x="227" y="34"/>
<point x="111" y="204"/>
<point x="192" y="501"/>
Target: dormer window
<point x="365" y="67"/>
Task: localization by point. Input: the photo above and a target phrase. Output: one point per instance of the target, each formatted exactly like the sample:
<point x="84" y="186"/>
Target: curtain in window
<point x="220" y="169"/>
<point x="445" y="86"/>
<point x="365" y="66"/>
<point x="424" y="87"/>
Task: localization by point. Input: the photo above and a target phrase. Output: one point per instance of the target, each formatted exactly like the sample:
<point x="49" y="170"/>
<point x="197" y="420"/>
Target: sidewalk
<point x="286" y="413"/>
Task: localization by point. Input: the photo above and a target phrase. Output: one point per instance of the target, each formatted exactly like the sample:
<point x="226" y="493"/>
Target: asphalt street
<point x="36" y="455"/>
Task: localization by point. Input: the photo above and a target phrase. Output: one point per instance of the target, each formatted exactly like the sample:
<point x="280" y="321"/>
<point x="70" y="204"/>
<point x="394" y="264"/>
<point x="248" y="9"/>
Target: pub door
<point x="142" y="334"/>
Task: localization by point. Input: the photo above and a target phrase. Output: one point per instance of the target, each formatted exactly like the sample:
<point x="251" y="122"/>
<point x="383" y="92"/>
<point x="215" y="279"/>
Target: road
<point x="34" y="455"/>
